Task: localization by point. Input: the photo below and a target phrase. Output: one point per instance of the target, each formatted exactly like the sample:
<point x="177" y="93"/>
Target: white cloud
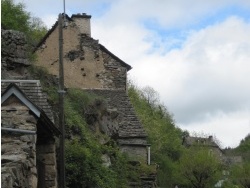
<point x="209" y="73"/>
<point x="230" y="128"/>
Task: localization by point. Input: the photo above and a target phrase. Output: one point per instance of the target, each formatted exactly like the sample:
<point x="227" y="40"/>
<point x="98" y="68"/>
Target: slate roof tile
<point x="129" y="125"/>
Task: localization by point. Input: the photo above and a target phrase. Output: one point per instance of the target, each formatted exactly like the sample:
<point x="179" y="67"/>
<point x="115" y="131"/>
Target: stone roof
<point x="33" y="91"/>
<point x="129" y="126"/>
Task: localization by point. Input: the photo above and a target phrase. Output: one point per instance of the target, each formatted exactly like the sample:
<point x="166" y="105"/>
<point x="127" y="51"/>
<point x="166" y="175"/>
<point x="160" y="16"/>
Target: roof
<point x="71" y="20"/>
<point x="13" y="89"/>
<point x="190" y="141"/>
<point x="115" y="57"/>
<point x="129" y="125"/>
<point x="49" y="32"/>
<point x="33" y="91"/>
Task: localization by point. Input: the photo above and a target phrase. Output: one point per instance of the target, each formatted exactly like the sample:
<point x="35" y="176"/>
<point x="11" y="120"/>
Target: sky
<point x="195" y="54"/>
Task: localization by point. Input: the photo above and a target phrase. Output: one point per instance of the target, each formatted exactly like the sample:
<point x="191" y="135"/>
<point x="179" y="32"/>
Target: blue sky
<point x="180" y="33"/>
<point x="195" y="54"/>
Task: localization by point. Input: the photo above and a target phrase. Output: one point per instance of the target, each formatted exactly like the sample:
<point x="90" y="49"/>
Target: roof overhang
<point x="13" y="89"/>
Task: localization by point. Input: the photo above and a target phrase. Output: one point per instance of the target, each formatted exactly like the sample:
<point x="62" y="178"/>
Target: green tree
<point x="15" y="17"/>
<point x="198" y="168"/>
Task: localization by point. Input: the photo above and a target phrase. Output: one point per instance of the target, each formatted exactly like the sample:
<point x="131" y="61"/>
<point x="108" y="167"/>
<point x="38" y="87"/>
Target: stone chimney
<point x="210" y="138"/>
<point x="83" y="22"/>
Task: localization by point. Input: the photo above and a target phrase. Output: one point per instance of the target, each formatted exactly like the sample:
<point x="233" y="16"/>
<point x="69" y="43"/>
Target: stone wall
<point x="13" y="54"/>
<point x="135" y="152"/>
<point x="114" y="76"/>
<point x="18" y="150"/>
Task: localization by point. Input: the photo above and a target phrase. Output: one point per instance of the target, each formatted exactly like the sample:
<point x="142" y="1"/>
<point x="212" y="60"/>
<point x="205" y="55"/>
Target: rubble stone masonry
<point x="13" y="54"/>
<point x="18" y="150"/>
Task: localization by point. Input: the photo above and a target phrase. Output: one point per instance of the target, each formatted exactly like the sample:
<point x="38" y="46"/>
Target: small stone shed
<point x="28" y="151"/>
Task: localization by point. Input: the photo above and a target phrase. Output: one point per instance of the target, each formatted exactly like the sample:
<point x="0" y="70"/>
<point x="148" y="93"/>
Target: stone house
<point x="207" y="143"/>
<point x="213" y="147"/>
<point x="88" y="65"/>
<point x="28" y="150"/>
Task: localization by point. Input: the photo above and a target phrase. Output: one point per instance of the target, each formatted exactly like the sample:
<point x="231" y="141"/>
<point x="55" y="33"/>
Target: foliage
<point x="240" y="174"/>
<point x="15" y="17"/>
<point x="84" y="166"/>
<point x="165" y="138"/>
<point x="198" y="168"/>
<point x="244" y="148"/>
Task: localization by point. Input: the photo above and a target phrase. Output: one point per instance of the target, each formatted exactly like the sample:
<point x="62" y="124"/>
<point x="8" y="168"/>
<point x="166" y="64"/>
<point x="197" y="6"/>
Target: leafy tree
<point x="241" y="174"/>
<point x="198" y="168"/>
<point x="15" y="17"/>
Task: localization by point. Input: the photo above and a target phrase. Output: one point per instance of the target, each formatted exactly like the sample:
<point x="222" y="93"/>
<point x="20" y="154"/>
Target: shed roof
<point x="129" y="126"/>
<point x="33" y="91"/>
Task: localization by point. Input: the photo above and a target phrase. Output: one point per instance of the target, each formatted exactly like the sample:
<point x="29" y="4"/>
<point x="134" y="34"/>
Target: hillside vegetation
<point x="244" y="148"/>
<point x="175" y="164"/>
<point x="165" y="138"/>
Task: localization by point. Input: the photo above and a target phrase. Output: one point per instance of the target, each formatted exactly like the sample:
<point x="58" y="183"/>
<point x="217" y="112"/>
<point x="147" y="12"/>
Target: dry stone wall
<point x="13" y="54"/>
